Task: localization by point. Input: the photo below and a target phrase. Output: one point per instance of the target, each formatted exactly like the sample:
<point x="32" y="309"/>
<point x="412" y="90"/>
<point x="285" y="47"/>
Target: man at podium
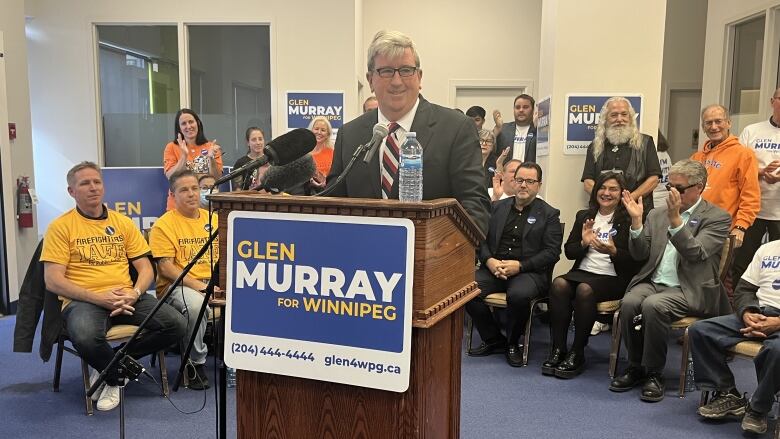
<point x="452" y="166"/>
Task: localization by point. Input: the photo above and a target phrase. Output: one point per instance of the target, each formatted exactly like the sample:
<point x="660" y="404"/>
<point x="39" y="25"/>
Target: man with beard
<point x="520" y="135"/>
<point x="522" y="246"/>
<point x="732" y="171"/>
<point x="619" y="147"/>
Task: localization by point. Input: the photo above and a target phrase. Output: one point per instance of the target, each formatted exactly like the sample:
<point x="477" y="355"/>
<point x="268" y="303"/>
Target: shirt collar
<point x="103" y="214"/>
<point x="405" y="122"/>
<point x="692" y="208"/>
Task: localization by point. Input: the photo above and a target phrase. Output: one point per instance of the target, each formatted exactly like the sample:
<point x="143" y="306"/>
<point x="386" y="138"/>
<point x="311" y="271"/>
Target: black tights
<point x="562" y="294"/>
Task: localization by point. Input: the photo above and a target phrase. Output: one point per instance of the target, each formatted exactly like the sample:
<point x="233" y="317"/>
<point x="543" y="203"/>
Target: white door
<point x="684" y="123"/>
<point x="493" y="98"/>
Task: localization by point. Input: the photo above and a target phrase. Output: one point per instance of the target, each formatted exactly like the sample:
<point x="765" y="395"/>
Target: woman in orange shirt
<point x="191" y="150"/>
<point x="323" y="151"/>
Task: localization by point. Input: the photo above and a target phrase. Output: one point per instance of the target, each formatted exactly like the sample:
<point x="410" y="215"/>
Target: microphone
<point x="280" y="151"/>
<point x="283" y="178"/>
<point x="380" y="132"/>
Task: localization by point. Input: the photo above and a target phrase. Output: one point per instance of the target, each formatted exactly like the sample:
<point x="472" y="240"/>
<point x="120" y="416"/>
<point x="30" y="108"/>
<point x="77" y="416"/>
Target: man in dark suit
<point x="452" y="161"/>
<point x="682" y="242"/>
<point x="522" y="246"/>
<point x="519" y="136"/>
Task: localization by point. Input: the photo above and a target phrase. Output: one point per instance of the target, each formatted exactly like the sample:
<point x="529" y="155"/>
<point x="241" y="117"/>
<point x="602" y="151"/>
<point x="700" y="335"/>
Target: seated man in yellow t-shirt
<point x="175" y="239"/>
<point x="86" y="255"/>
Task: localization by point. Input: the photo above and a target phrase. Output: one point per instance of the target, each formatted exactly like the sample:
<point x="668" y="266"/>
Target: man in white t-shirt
<point x="764" y="139"/>
<point x="757" y="318"/>
<point x="519" y="136"/>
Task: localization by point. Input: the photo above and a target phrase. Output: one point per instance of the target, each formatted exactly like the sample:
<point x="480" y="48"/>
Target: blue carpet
<point x="498" y="401"/>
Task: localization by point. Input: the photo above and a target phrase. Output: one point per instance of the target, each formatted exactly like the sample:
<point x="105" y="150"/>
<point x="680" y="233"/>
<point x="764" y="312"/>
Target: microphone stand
<point x="125" y="365"/>
<point x="360" y="150"/>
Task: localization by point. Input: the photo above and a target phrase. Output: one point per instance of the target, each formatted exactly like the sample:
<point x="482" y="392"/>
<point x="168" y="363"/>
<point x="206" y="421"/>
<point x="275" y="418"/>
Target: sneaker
<point x="198" y="379"/>
<point x="722" y="405"/>
<point x="599" y="327"/>
<point x="109" y="398"/>
<point x="753" y="422"/>
<point x="93" y="376"/>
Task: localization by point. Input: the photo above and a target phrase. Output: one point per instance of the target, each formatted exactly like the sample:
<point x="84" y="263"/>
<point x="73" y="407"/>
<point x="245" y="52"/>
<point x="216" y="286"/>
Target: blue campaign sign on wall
<point x="543" y="127"/>
<point x="139" y="193"/>
<point x="303" y="106"/>
<point x="328" y="296"/>
<point x="582" y="117"/>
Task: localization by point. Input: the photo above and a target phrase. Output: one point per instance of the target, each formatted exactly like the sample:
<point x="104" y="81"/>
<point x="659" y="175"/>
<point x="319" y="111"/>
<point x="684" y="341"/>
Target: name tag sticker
<point x="693" y="222"/>
<point x="531" y="220"/>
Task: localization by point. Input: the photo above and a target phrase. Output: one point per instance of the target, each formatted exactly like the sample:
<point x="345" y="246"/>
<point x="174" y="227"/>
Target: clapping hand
<point x="182" y="144"/>
<point x="497" y="118"/>
<point x="673" y="203"/>
<point x="588" y="235"/>
<point x="216" y="150"/>
<point x="634" y="208"/>
<point x="768" y="173"/>
<point x="606" y="247"/>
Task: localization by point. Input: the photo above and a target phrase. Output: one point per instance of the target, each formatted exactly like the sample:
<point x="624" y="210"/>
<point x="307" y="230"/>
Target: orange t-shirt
<point x="323" y="160"/>
<point x="197" y="161"/>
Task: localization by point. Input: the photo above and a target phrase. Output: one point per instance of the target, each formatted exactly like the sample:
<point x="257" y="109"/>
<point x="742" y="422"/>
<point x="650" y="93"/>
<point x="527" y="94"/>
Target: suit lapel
<point x="501" y="217"/>
<point x="694" y="222"/>
<point x="422" y="125"/>
<point x="533" y="217"/>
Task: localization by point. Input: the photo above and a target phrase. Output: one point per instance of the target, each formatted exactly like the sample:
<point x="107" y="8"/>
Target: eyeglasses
<point x="389" y="72"/>
<point x="485" y="141"/>
<point x="680" y="189"/>
<point x="527" y="181"/>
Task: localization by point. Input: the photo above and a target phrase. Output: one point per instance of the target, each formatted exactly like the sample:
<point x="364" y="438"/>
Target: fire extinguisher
<point x="24" y="202"/>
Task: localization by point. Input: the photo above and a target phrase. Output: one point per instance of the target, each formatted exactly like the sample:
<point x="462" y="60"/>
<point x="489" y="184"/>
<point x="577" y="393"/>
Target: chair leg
<point x="85" y="376"/>
<point x="163" y="373"/>
<point x="528" y="324"/>
<point x="684" y="363"/>
<point x="614" y="350"/>
<point x="58" y="365"/>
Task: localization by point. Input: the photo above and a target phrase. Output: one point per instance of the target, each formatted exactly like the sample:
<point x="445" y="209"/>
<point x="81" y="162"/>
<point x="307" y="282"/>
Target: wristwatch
<point x="740" y="228"/>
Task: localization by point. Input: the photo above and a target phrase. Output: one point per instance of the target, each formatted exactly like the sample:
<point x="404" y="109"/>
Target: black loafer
<point x="514" y="355"/>
<point x="571" y="366"/>
<point x="653" y="389"/>
<point x="489" y="348"/>
<point x="555" y="358"/>
<point x="631" y="378"/>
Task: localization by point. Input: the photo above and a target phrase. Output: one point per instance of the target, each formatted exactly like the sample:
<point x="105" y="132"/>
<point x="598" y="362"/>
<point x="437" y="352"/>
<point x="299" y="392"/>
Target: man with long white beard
<point x="619" y="147"/>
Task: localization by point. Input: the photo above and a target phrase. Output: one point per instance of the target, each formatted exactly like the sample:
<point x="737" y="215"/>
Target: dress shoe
<point x="555" y="358"/>
<point x="488" y="348"/>
<point x="632" y="377"/>
<point x="571" y="366"/>
<point x="514" y="355"/>
<point x="653" y="389"/>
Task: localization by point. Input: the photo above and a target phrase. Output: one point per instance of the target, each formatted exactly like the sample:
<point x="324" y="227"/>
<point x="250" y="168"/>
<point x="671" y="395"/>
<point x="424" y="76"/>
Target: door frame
<point x="527" y="85"/>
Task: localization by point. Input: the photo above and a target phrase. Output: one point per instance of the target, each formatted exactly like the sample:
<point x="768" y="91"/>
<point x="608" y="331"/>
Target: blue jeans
<point x="188" y="302"/>
<point x="88" y="323"/>
<point x="709" y="340"/>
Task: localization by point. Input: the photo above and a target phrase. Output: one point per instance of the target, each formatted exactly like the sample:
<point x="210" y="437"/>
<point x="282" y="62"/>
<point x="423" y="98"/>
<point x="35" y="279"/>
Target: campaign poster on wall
<point x="543" y="127"/>
<point x="582" y="117"/>
<point x="303" y="106"/>
<point x="139" y="192"/>
<point x="320" y="297"/>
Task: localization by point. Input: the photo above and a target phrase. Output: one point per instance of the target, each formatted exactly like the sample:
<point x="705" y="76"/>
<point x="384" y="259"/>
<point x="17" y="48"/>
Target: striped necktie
<point x="390" y="157"/>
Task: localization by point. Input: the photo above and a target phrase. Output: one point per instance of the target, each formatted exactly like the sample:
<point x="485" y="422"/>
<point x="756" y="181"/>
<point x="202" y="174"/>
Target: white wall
<point x="488" y="40"/>
<point x="686" y="26"/>
<point x="720" y="14"/>
<point x="310" y="50"/>
<point x="22" y="242"/>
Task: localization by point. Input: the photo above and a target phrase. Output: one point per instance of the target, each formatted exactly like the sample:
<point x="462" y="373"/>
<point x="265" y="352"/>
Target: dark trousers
<point x="87" y="325"/>
<point x="520" y="290"/>
<point x="752" y="241"/>
<point x="709" y="340"/>
<point x="660" y="306"/>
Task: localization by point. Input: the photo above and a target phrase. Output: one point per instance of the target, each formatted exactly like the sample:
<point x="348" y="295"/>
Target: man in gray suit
<point x="682" y="242"/>
<point x="452" y="159"/>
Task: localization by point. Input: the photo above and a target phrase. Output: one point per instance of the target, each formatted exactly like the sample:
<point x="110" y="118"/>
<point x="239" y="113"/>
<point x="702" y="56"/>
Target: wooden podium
<point x="275" y="406"/>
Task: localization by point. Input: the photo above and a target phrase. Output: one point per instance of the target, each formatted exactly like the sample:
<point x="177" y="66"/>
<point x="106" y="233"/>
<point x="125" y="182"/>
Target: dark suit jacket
<point x="625" y="265"/>
<point x="452" y="160"/>
<point x="507" y="139"/>
<point x="541" y="245"/>
<point x="699" y="244"/>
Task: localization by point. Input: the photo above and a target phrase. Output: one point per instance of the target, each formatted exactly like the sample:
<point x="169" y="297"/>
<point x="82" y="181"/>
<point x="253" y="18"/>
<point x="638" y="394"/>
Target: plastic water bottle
<point x="690" y="382"/>
<point x="231" y="377"/>
<point x="410" y="170"/>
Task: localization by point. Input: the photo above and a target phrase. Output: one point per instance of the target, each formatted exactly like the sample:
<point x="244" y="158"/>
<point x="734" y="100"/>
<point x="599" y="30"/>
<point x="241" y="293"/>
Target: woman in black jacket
<point x="598" y="244"/>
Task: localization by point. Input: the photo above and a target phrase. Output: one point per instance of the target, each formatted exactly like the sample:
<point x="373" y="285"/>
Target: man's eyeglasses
<point x="527" y="181"/>
<point x="680" y="189"/>
<point x="389" y="72"/>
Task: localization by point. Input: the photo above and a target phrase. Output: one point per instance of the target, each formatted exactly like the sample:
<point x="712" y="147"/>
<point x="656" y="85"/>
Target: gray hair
<point x="693" y="170"/>
<point x="487" y="134"/>
<point x="390" y="44"/>
<point x="71" y="176"/>
<point x="718" y="106"/>
<point x="601" y="129"/>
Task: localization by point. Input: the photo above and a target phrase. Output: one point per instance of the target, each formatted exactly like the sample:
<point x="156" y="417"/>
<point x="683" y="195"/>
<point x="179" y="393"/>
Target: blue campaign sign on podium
<point x="320" y="296"/>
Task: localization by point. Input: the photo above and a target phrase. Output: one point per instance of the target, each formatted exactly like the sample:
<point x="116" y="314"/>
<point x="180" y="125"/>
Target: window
<point x="230" y="86"/>
<point x="139" y="92"/>
<point x="747" y="58"/>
